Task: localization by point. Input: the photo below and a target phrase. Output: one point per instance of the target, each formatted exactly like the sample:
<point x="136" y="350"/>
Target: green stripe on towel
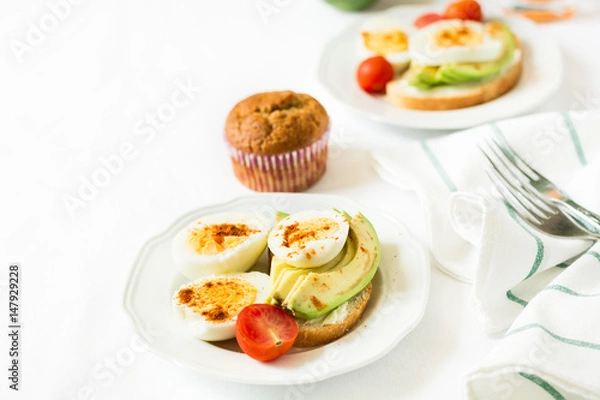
<point x="573" y="342"/>
<point x="566" y="290"/>
<point x="544" y="385"/>
<point x="594" y="254"/>
<point x="539" y="256"/>
<point x="511" y="296"/>
<point x="438" y="166"/>
<point x="575" y="138"/>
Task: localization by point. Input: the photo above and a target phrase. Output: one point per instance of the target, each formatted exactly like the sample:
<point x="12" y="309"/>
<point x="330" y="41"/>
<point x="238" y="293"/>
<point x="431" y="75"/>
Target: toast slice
<point x="326" y="330"/>
<point x="400" y="93"/>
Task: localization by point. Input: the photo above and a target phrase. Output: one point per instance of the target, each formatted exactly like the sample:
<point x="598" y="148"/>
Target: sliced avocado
<point x="315" y="294"/>
<point x="412" y="75"/>
<point x="344" y="213"/>
<point x="286" y="276"/>
<point x="428" y="75"/>
<point x="476" y="71"/>
<point x="349" y="252"/>
<point x="284" y="283"/>
<point x="278" y="266"/>
<point x="279" y="215"/>
<point x="448" y="76"/>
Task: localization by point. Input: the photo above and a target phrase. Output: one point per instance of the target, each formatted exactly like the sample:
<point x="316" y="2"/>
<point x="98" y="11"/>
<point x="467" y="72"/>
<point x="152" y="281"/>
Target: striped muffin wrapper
<point x="293" y="171"/>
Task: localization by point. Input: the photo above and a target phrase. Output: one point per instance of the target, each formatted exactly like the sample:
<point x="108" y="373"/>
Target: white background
<point x="81" y="92"/>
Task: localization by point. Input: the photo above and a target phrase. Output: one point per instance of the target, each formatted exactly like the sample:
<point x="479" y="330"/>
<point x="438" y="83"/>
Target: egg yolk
<point x="382" y="42"/>
<point x="219" y="299"/>
<point x="213" y="239"/>
<point x="462" y="35"/>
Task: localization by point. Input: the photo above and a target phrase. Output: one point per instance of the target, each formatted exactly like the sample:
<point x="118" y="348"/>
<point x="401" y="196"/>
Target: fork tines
<point x="513" y="182"/>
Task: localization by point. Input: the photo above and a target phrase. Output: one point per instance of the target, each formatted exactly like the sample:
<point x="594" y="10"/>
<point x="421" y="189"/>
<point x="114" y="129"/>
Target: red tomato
<point x="373" y="73"/>
<point x="427" y="19"/>
<point x="464" y="9"/>
<point x="265" y="332"/>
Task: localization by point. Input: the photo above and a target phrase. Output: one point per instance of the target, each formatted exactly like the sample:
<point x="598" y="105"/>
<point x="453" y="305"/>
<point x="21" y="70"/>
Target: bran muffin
<point x="278" y="141"/>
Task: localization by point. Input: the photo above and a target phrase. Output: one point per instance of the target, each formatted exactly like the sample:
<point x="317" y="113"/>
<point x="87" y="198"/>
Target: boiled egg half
<point x="209" y="306"/>
<point x="384" y="36"/>
<point x="220" y="243"/>
<point x="454" y="41"/>
<point x="310" y="238"/>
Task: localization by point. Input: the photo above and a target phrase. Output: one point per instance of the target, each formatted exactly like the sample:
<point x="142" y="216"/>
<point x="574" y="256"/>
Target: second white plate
<point x="400" y="292"/>
<point x="542" y="75"/>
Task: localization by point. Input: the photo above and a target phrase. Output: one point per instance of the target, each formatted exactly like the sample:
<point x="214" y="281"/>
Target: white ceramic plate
<point x="542" y="75"/>
<point x="400" y="293"/>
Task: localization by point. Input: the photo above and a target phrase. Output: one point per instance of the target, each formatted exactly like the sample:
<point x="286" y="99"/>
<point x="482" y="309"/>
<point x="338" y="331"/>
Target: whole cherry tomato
<point x="373" y="73"/>
<point x="265" y="332"/>
<point x="464" y="9"/>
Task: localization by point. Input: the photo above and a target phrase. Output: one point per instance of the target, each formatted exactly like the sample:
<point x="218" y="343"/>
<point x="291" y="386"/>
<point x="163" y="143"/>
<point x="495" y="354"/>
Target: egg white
<point x="238" y="258"/>
<point x="201" y="327"/>
<point x="399" y="60"/>
<point x="424" y="51"/>
<point x="331" y="226"/>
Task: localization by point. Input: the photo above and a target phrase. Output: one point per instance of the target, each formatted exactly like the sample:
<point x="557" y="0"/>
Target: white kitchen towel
<point x="545" y="289"/>
<point x="552" y="350"/>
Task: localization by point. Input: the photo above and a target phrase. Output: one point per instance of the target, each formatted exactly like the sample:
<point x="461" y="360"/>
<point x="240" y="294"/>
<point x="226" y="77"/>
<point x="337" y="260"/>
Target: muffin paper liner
<point x="292" y="171"/>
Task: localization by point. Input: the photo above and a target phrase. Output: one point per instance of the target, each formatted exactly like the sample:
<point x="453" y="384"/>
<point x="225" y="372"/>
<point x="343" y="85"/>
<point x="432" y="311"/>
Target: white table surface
<point x="79" y="94"/>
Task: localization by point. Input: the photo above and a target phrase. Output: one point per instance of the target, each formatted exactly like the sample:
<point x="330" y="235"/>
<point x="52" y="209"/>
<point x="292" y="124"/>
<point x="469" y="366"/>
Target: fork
<point x="544" y="186"/>
<point x="538" y="211"/>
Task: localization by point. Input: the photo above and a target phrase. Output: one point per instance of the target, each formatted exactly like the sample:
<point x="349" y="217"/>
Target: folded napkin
<point x="544" y="290"/>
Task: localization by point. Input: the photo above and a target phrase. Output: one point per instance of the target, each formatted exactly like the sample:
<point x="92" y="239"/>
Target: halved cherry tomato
<point x="373" y="73"/>
<point x="427" y="19"/>
<point x="265" y="332"/>
<point x="464" y="9"/>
